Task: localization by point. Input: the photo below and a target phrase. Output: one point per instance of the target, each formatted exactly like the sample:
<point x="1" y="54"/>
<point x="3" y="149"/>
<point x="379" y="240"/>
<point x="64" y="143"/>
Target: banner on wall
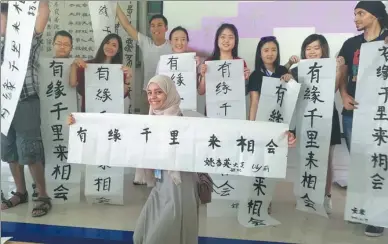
<point x="16" y="56"/>
<point x="104" y="93"/>
<point x="102" y="15"/>
<point x="277" y="103"/>
<point x="57" y="100"/>
<point x="314" y="121"/>
<point x="366" y="200"/>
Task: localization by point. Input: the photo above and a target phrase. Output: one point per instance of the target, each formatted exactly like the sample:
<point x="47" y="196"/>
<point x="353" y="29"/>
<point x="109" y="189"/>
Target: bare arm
<point x="43" y="16"/>
<point x="254" y="104"/>
<point x="288" y="65"/>
<point x="341" y="79"/>
<point x="124" y="22"/>
<point x="73" y="82"/>
<point x="201" y="85"/>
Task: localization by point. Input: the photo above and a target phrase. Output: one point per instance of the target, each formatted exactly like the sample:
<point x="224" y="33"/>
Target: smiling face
<point x="111" y="47"/>
<point x="156" y="96"/>
<point x="363" y="19"/>
<point x="269" y="52"/>
<point x="226" y="40"/>
<point x="313" y="50"/>
<point x="158" y="29"/>
<point x="179" y="41"/>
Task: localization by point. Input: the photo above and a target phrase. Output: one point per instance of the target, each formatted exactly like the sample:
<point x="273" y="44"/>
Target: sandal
<point x="35" y="194"/>
<point x="42" y="207"/>
<point x="23" y="198"/>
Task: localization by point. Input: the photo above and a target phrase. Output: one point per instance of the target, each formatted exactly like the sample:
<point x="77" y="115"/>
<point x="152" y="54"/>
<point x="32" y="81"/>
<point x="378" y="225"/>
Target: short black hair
<point x="159" y="16"/>
<point x="63" y="33"/>
<point x="4" y="7"/>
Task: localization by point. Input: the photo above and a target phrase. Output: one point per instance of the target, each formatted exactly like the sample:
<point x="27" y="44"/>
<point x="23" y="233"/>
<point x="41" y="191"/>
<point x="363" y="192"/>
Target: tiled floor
<point x="296" y="227"/>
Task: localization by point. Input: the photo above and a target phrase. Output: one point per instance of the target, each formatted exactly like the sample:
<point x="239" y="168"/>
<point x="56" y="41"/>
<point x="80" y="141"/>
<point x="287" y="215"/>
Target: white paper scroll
<point x="180" y="143"/>
<point x="225" y="98"/>
<point x="102" y="14"/>
<point x="314" y="121"/>
<point x="104" y="93"/>
<point x="57" y="100"/>
<point x="20" y="28"/>
<point x="367" y="193"/>
<point x="77" y="21"/>
<point x="104" y="88"/>
<point x="130" y="10"/>
<point x="277" y="104"/>
<point x="182" y="69"/>
<point x="277" y="100"/>
<point x="225" y="89"/>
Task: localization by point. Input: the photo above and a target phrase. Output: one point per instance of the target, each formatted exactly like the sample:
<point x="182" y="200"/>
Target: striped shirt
<point x="31" y="83"/>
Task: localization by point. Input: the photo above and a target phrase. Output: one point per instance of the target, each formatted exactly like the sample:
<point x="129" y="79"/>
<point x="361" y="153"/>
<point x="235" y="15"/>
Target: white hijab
<point x="169" y="108"/>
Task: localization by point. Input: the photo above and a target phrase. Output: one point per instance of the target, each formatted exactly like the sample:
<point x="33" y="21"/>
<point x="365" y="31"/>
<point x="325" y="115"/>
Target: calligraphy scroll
<point x="130" y="10"/>
<point x="277" y="104"/>
<point x="225" y="98"/>
<point x="54" y="24"/>
<point x="367" y="193"/>
<point x="225" y="89"/>
<point x="20" y="28"/>
<point x="102" y="14"/>
<point x="57" y="100"/>
<point x="182" y="69"/>
<point x="104" y="93"/>
<point x="314" y="120"/>
<point x="78" y="22"/>
<point x="180" y="143"/>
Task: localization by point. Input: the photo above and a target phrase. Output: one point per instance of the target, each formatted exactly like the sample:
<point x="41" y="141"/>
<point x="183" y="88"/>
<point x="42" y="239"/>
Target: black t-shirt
<point x="351" y="52"/>
<point x="256" y="78"/>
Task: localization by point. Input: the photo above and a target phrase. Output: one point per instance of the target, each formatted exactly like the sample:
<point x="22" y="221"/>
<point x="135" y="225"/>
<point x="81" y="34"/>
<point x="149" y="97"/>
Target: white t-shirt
<point x="151" y="55"/>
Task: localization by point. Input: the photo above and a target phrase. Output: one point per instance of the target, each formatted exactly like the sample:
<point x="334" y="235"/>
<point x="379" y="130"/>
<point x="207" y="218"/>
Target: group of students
<point x="170" y="214"/>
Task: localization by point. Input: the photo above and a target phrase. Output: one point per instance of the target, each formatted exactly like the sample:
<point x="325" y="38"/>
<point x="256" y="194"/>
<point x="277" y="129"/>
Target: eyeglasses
<point x="268" y="38"/>
<point x="62" y="44"/>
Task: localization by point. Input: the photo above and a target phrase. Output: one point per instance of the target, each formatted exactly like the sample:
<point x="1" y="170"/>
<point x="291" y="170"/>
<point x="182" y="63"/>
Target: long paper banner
<point x="180" y="143"/>
<point x="366" y="200"/>
<point x="20" y="28"/>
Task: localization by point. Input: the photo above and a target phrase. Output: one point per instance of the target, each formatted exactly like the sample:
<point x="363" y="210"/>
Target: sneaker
<point x="327" y="204"/>
<point x="374" y="231"/>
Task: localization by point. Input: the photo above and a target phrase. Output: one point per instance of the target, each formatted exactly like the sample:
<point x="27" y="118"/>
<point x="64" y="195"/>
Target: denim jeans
<point x="347" y="124"/>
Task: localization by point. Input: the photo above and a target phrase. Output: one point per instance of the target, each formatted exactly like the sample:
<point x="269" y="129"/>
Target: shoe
<point x="35" y="193"/>
<point x="374" y="231"/>
<point x="327" y="204"/>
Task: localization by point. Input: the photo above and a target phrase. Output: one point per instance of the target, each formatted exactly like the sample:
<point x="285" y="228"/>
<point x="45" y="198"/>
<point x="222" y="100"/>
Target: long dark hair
<point x="322" y="42"/>
<point x="216" y="51"/>
<point x="179" y="28"/>
<point x="100" y="55"/>
<point x="259" y="64"/>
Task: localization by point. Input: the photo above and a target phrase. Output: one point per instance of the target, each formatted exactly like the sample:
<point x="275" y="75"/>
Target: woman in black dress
<point x="316" y="46"/>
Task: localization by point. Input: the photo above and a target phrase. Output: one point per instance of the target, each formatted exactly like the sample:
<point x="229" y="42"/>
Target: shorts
<point x="23" y="144"/>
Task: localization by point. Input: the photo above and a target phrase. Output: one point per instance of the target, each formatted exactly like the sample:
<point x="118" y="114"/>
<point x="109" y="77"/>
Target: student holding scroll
<point x="370" y="17"/>
<point x="23" y="144"/>
<point x="267" y="63"/>
<point x="313" y="47"/>
<point x="225" y="48"/>
<point x="110" y="51"/>
<point x="170" y="215"/>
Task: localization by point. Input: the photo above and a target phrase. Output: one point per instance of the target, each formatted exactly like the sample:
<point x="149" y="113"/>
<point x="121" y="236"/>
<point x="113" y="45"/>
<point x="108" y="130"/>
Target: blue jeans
<point x="347" y="125"/>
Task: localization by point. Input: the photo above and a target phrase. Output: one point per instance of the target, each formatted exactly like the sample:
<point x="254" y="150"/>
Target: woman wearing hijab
<point x="170" y="214"/>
